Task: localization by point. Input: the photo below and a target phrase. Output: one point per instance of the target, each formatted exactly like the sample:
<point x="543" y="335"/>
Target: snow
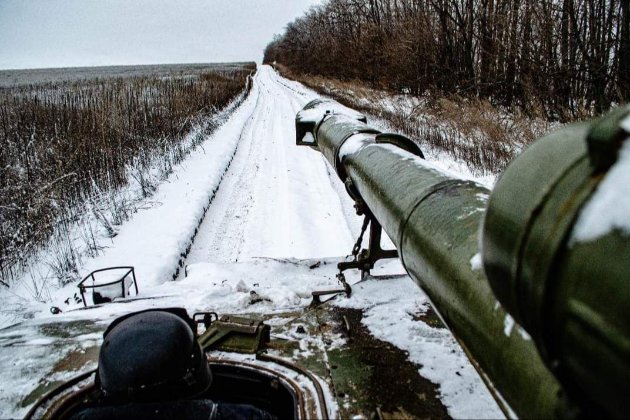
<point x="443" y="168"/>
<point x="104" y="289"/>
<point x="283" y="284"/>
<point x="154" y="240"/>
<point x="278" y="200"/>
<point x="475" y="262"/>
<point x="508" y="324"/>
<point x="410" y="107"/>
<point x="274" y="229"/>
<point x="308" y="138"/>
<point x="354" y="144"/>
<point x="317" y="112"/>
<point x="390" y="306"/>
<point x="609" y="207"/>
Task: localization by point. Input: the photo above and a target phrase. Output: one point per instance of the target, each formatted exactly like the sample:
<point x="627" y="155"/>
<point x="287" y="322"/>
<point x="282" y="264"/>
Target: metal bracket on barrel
<point x="364" y="259"/>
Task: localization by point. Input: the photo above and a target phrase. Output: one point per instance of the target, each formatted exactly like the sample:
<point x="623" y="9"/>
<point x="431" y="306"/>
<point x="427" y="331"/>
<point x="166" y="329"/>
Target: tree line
<point x="556" y="58"/>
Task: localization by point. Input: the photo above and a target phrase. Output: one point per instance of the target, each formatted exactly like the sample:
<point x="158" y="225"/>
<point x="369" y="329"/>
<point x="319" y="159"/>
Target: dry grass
<point x="69" y="147"/>
<point x="473" y="131"/>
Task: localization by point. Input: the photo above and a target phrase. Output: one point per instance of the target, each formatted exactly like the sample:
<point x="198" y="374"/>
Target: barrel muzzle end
<point x="313" y="114"/>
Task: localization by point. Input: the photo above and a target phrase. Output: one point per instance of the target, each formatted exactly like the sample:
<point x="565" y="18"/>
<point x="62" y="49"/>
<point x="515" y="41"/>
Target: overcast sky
<point x="62" y="33"/>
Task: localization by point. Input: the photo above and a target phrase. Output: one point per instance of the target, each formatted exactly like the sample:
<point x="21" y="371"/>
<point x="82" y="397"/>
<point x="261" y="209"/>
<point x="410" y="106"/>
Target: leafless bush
<point x="68" y="147"/>
<point x="551" y="58"/>
<point x="484" y="136"/>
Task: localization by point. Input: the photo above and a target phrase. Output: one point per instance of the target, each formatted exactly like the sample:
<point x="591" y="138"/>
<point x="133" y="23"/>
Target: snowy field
<point x="9" y="78"/>
<point x="247" y="211"/>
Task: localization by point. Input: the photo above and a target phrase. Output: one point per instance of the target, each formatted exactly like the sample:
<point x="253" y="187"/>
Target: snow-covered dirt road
<point x="274" y="220"/>
<point x="276" y="200"/>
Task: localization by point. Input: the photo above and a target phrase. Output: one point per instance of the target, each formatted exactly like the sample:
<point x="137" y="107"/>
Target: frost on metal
<point x="609" y="207"/>
<point x="476" y="262"/>
<point x="353" y="145"/>
<point x="323" y="107"/>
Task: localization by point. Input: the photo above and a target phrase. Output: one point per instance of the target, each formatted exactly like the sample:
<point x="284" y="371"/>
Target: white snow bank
<point x="282" y="284"/>
<point x="476" y="262"/>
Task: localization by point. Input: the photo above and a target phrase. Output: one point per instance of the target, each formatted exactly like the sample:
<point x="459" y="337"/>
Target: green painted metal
<point x="334" y="132"/>
<point x="572" y="297"/>
<point x="517" y="199"/>
<point x="435" y="223"/>
<point x="235" y="334"/>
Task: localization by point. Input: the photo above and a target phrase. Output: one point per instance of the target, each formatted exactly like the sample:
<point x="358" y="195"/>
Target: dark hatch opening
<point x="240" y="385"/>
<point x="232" y="384"/>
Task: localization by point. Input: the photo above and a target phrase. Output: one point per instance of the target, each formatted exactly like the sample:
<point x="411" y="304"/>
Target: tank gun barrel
<point x="555" y="360"/>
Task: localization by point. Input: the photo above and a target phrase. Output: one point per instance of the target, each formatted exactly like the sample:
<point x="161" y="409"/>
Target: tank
<point x="543" y="252"/>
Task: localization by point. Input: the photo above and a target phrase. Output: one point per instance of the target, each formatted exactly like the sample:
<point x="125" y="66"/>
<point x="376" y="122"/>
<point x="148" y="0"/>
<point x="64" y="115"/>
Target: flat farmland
<point x="12" y="78"/>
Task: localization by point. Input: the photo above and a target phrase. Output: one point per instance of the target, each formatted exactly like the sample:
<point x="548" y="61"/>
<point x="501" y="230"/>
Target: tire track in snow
<point x="298" y="99"/>
<point x="276" y="200"/>
<point x="220" y="234"/>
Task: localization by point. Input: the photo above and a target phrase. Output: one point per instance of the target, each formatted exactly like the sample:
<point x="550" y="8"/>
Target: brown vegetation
<point x="554" y="58"/>
<point x="67" y="147"/>
<point x="470" y="130"/>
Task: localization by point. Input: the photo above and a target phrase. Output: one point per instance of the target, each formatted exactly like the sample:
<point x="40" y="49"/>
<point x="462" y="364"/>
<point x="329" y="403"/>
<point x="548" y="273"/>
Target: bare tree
<point x="561" y="58"/>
